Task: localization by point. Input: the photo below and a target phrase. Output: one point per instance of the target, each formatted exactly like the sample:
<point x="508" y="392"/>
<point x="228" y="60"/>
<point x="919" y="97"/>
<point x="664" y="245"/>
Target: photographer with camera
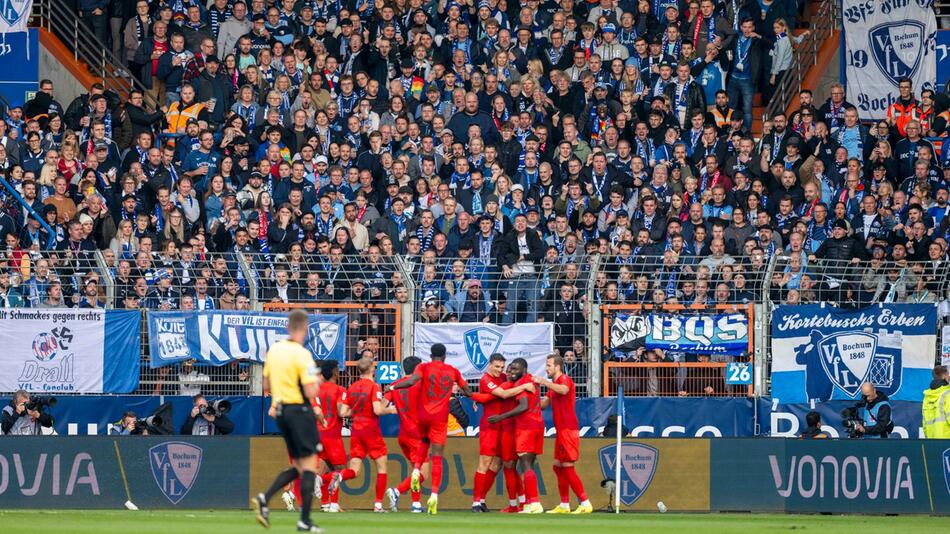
<point x="26" y="415"/>
<point x="870" y="418"/>
<point x="125" y="426"/>
<point x="208" y="419"/>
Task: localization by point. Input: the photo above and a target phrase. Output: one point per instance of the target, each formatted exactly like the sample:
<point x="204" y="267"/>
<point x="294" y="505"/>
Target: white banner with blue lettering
<point x="219" y="337"/>
<point x="820" y="352"/>
<point x="885" y="42"/>
<point x="469" y="345"/>
<point x="53" y="351"/>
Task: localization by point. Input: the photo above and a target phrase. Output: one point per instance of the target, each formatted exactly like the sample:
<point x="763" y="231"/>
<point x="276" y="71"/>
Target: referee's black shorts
<point x="298" y="425"/>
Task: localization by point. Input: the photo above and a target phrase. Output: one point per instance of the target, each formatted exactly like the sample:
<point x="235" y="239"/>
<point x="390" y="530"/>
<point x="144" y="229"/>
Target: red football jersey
<point x="562" y="406"/>
<point x="329" y="398"/>
<point x="437" y="380"/>
<point x="360" y="397"/>
<point x="406" y="401"/>
<point x="531" y="419"/>
<point x="506" y="405"/>
<point x="488" y="384"/>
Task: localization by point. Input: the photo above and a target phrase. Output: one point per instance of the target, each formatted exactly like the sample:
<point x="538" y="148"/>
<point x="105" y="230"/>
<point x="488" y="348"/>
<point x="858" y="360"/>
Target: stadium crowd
<point x="499" y="149"/>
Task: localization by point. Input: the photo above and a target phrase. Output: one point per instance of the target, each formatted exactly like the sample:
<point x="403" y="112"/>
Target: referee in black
<point x="291" y="379"/>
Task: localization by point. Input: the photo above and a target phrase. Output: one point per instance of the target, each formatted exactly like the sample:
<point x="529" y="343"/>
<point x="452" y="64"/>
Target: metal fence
<point x="385" y="297"/>
<point x="670" y="379"/>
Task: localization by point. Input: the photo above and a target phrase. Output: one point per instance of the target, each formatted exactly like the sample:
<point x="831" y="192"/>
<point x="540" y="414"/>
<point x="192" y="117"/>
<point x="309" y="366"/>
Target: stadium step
<point x="64" y="55"/>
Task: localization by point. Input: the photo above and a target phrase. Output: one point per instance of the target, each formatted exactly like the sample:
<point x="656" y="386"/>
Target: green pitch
<point x="234" y="522"/>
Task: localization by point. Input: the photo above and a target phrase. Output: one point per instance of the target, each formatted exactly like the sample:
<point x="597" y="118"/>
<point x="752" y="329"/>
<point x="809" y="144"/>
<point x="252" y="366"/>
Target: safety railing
<point x="370" y="327"/>
<point x="61" y="19"/>
<point x="823" y="25"/>
<point x="56" y="279"/>
<point x="670" y="379"/>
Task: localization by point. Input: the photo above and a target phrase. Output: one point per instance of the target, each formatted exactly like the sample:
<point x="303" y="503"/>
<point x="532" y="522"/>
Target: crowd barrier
<point x="688" y="475"/>
<point x="646" y="417"/>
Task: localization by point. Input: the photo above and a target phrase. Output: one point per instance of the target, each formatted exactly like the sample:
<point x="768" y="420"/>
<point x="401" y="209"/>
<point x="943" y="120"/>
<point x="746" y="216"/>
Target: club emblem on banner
<point x="324" y="336"/>
<point x="847" y="360"/>
<point x="175" y="466"/>
<point x="946" y="468"/>
<point x="638" y="464"/>
<point x="12" y="11"/>
<point x="897" y="48"/>
<point x="480" y="344"/>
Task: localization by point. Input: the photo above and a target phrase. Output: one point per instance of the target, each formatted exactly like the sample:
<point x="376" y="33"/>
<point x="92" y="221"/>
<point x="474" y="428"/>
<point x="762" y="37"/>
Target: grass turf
<point x="237" y="522"/>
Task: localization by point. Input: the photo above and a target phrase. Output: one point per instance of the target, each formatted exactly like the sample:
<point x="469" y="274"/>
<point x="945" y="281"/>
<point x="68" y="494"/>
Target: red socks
<point x="487" y="482"/>
<point x="575" y="481"/>
<point x="511" y="483"/>
<point x="563" y="483"/>
<point x="531" y="486"/>
<point x="477" y="486"/>
<point x="380" y="486"/>
<point x="405" y="485"/>
<point x="348" y="473"/>
<point x="436" y="473"/>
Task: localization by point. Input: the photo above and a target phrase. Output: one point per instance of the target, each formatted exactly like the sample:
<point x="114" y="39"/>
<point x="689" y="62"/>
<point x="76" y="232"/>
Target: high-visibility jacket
<point x="900" y="114"/>
<point x="936" y="410"/>
<point x="178" y="117"/>
<point x="454" y="428"/>
<point x="722" y="119"/>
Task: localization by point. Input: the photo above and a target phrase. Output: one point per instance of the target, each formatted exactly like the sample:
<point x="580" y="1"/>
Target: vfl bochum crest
<point x="323" y="337"/>
<point x="638" y="464"/>
<point x="845" y="360"/>
<point x="897" y="48"/>
<point x="480" y="344"/>
<point x="14" y="12"/>
<point x="175" y="466"/>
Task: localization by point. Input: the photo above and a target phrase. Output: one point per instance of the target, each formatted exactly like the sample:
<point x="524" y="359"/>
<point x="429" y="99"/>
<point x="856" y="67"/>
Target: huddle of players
<point x="510" y="439"/>
<point x="512" y="428"/>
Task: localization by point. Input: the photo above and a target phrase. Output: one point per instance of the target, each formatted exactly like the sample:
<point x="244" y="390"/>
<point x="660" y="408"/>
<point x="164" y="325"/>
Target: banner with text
<point x="886" y="42"/>
<point x="220" y="337"/>
<point x="821" y="353"/>
<point x="726" y="333"/>
<point x="469" y="345"/>
<point x="64" y="351"/>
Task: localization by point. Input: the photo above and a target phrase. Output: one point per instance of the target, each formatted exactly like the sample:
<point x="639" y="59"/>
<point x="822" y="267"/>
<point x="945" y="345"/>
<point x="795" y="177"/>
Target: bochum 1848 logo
<point x="175" y="466"/>
<point x="480" y="344"/>
<point x="11" y="11"/>
<point x="324" y="335"/>
<point x="845" y="360"/>
<point x="897" y="48"/>
<point x="638" y="464"/>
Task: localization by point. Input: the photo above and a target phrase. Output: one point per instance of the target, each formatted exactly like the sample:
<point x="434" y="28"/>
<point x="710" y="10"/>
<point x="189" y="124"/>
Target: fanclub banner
<point x="821" y="353"/>
<point x="469" y="345"/>
<point x="886" y="42"/>
<point x="726" y="333"/>
<point x="220" y="337"/>
<point x="54" y="351"/>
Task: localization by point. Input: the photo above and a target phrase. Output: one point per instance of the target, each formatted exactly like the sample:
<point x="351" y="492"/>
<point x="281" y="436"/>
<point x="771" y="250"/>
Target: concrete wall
<point x="66" y="85"/>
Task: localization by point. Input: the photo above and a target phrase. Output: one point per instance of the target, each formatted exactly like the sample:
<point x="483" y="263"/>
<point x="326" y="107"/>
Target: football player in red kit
<point x="406" y="402"/>
<point x="567" y="442"/>
<point x="529" y="432"/>
<point x="331" y="409"/>
<point x="365" y="399"/>
<point x="493" y="393"/>
<point x="436" y="379"/>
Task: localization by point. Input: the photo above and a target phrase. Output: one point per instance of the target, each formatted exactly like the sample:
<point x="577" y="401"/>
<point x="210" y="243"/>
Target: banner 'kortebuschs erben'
<point x="885" y="42"/>
<point x="469" y="345"/>
<point x="52" y="351"/>
<point x="709" y="333"/>
<point x="821" y="352"/>
<point x="219" y="337"/>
